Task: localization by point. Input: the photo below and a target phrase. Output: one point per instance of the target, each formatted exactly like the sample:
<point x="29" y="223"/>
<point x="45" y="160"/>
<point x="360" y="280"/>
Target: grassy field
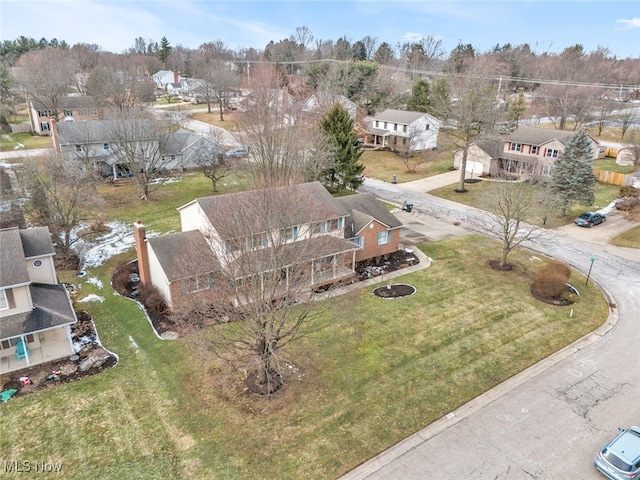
<point x="8" y="141"/>
<point x="609" y="164"/>
<point x="630" y="238"/>
<point x="479" y="195"/>
<point x="383" y="370"/>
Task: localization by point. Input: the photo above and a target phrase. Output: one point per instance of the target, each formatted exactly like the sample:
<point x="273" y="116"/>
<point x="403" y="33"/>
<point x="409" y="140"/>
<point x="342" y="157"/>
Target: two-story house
<point x="527" y="152"/>
<point x="298" y="233"/>
<point x="162" y="78"/>
<point x="70" y="109"/>
<point x="100" y="142"/>
<point x="35" y="311"/>
<point x="403" y="131"/>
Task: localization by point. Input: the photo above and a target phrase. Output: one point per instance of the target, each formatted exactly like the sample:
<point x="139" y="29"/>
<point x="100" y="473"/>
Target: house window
<point x="37" y="263"/>
<point x="404" y="141"/>
<point x="534" y="149"/>
<point x="385" y="125"/>
<point x="78" y="148"/>
<point x="287" y="234"/>
<point x="5" y="344"/>
<point x="395" y="127"/>
<point x="68" y="113"/>
<point x="4" y="304"/>
<point x="44" y="126"/>
<point x="384" y="237"/>
<point x="404" y="129"/>
<point x="358" y="241"/>
<point x="198" y="283"/>
<point x="547" y="170"/>
<point x="105" y="146"/>
<point x="426" y="127"/>
<point x="516" y="147"/>
<point x="377" y="123"/>
<point x="6" y="299"/>
<point x="340" y="223"/>
<point x="551" y="153"/>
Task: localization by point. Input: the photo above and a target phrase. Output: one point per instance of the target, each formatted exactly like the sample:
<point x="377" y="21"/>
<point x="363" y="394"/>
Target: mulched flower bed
<point x="396" y="290"/>
<point x="557" y="301"/>
<point x="92" y="359"/>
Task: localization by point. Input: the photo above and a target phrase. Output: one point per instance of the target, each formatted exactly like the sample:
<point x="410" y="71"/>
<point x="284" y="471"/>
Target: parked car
<point x="620" y="458"/>
<point x="589" y="219"/>
<point x="237" y="153"/>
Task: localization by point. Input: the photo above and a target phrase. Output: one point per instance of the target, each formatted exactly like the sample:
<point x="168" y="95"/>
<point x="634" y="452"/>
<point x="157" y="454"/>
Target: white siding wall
<point x="44" y="274"/>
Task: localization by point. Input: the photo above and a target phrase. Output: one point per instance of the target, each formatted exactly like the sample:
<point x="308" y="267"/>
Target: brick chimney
<point x="176" y="76"/>
<point x="53" y="125"/>
<point x="142" y="253"/>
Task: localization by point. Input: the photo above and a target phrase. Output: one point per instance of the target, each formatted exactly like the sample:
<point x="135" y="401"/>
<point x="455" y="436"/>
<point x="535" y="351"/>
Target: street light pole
<point x="593" y="259"/>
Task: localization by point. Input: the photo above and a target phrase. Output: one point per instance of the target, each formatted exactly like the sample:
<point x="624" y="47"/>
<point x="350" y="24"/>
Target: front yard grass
<point x="383" y="165"/>
<point x="630" y="238"/>
<point x="382" y="371"/>
<point x="9" y="141"/>
<point x="609" y="164"/>
<point x="479" y="195"/>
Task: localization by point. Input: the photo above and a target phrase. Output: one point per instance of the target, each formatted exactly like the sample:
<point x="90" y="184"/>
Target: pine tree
<point x="572" y="179"/>
<point x="165" y="51"/>
<point x="346" y="171"/>
<point x="420" y="100"/>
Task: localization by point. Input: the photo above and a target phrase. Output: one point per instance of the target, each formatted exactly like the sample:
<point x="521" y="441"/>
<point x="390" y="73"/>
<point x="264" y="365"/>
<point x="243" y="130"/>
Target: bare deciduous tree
<point x="514" y="208"/>
<point x="263" y="296"/>
<point x="62" y="194"/>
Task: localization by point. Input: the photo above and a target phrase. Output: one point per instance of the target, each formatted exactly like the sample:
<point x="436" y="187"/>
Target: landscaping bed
<point x="91" y="359"/>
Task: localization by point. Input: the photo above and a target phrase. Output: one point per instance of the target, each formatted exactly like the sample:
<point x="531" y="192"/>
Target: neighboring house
<point x="371" y="226"/>
<point x="163" y="78"/>
<point x="309" y="231"/>
<point x="527" y="152"/>
<point x="71" y="108"/>
<point x="35" y="312"/>
<point x="174" y="89"/>
<point x="98" y="142"/>
<point x="403" y="131"/>
<point x="193" y="90"/>
<point x="320" y="103"/>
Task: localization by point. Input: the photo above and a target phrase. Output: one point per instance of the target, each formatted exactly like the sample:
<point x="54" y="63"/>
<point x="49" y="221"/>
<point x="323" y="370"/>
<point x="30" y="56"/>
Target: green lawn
<point x="478" y="195"/>
<point x="609" y="164"/>
<point x="8" y="141"/>
<point x="630" y="238"/>
<point x="383" y="370"/>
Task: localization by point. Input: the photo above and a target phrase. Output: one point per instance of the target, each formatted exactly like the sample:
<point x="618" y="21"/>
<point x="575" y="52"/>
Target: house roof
<point x="540" y="136"/>
<point x="272" y="208"/>
<point x="363" y="208"/>
<point x="95" y="131"/>
<point x="491" y="146"/>
<point x="400" y="116"/>
<point x="13" y="270"/>
<point x="182" y="139"/>
<point x="184" y="254"/>
<point x="36" y="242"/>
<point x="51" y="309"/>
<point x="68" y="102"/>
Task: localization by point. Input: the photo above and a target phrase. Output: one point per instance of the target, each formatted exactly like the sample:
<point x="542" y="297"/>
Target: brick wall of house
<point x="371" y="248"/>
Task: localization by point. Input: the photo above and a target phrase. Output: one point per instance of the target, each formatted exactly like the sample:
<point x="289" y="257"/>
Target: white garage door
<point x="474" y="167"/>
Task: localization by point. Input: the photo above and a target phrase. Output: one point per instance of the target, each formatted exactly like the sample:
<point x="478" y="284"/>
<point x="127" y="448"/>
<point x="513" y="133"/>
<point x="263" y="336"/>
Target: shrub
<point x="629" y="191"/>
<point x="551" y="280"/>
<point x="122" y="278"/>
<point x="152" y="300"/>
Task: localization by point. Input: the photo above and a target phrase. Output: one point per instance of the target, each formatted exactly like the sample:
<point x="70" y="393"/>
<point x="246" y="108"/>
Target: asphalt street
<point x="549" y="421"/>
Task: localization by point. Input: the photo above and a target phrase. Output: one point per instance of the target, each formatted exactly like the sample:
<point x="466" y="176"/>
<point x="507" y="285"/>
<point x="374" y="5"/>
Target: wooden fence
<point x="612" y="177"/>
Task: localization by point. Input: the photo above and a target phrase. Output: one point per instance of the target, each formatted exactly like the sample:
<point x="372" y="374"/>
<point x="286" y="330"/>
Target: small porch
<point x="42" y="347"/>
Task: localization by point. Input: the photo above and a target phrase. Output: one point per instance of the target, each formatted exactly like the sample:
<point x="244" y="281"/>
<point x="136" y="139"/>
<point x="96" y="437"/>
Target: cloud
<point x="629" y="24"/>
<point x="412" y="37"/>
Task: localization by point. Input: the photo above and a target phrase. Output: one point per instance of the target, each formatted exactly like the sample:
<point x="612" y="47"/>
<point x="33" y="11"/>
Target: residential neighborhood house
<point x="527" y="152"/>
<point x="162" y="78"/>
<point x="35" y="311"/>
<point x="319" y="103"/>
<point x="295" y="231"/>
<point x="99" y="142"/>
<point x="402" y="131"/>
<point x="72" y="109"/>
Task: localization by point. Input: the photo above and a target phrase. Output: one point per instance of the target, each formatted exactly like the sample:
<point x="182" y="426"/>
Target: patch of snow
<point x="133" y="342"/>
<point x="608" y="209"/>
<point x="95" y="282"/>
<point x="92" y="298"/>
<point x="533" y="258"/>
<point x="93" y="254"/>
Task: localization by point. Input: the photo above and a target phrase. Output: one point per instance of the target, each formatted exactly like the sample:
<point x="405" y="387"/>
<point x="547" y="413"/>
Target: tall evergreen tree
<point x="346" y="170"/>
<point x="420" y="101"/>
<point x="572" y="179"/>
<point x="165" y="51"/>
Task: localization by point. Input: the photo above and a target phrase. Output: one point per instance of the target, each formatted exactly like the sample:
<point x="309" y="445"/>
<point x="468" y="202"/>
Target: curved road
<point x="549" y="421"/>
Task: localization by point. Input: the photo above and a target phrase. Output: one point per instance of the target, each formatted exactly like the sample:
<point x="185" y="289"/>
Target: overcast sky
<point x="547" y="26"/>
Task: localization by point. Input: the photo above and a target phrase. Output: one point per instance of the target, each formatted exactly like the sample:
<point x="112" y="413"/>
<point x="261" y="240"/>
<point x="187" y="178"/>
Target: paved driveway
<point x="548" y="421"/>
